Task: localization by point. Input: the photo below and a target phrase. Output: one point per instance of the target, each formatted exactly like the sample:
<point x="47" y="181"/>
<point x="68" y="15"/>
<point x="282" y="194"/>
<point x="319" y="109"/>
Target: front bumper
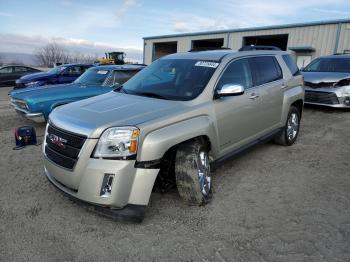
<point x="133" y="213"/>
<point x="327" y="96"/>
<point x="130" y="185"/>
<point x="36" y="117"/>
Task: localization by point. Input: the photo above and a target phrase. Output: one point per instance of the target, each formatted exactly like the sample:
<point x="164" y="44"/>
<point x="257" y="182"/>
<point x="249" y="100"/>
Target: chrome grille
<point x="63" y="147"/>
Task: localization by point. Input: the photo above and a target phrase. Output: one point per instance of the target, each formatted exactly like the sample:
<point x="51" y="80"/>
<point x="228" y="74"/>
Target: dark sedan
<point x="10" y="73"/>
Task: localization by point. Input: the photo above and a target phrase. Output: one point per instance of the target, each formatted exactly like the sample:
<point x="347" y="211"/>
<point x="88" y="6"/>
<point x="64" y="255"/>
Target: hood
<point x="324" y="77"/>
<point x="29" y="92"/>
<point x="33" y="88"/>
<point x="92" y="116"/>
<point x="35" y="77"/>
<point x="51" y="92"/>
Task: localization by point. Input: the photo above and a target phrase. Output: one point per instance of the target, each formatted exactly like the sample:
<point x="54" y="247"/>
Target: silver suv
<point x="327" y="81"/>
<point x="171" y="122"/>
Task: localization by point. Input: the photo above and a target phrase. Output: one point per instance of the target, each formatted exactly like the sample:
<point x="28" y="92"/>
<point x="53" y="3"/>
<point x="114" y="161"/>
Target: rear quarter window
<point x="265" y="69"/>
<point x="293" y="68"/>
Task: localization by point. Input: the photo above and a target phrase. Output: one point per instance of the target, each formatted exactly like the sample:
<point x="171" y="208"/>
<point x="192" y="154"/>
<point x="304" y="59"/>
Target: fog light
<point x="106" y="188"/>
<point x="347" y="100"/>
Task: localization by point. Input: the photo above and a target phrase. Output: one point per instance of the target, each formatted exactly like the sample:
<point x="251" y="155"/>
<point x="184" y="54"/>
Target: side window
<point x="265" y="69"/>
<point x="73" y="70"/>
<point x="6" y="70"/>
<point x="84" y="68"/>
<point x="237" y="73"/>
<point x="119" y="77"/>
<point x="293" y="68"/>
<point x="20" y="69"/>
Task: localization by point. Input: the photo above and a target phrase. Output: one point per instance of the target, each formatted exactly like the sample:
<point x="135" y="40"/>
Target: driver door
<point x="236" y="115"/>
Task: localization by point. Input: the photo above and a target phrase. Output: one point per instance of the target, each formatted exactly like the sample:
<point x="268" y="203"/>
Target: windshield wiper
<point x="150" y="94"/>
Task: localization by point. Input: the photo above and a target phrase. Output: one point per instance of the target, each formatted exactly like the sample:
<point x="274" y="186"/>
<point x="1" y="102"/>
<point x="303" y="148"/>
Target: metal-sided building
<point x="307" y="40"/>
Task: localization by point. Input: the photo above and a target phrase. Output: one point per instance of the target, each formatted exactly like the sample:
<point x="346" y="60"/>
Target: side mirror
<point x="301" y="68"/>
<point x="230" y="90"/>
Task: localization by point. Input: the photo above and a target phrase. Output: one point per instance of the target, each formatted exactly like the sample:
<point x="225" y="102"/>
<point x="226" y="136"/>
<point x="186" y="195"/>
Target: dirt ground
<point x="272" y="204"/>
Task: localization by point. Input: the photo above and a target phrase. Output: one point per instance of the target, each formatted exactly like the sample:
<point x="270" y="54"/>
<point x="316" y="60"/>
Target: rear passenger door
<point x="267" y="91"/>
<point x="19" y="71"/>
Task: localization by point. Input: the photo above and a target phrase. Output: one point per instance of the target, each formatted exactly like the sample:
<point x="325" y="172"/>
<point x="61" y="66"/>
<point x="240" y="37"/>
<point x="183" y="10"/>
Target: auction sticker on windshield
<point x="207" y="64"/>
<point x="102" y="72"/>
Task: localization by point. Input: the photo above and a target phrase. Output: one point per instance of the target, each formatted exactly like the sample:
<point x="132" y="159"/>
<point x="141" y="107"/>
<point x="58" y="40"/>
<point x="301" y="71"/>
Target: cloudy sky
<point x="98" y="26"/>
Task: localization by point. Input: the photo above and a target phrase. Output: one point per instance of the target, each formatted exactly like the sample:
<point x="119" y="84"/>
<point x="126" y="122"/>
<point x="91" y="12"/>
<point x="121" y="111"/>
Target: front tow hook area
<point x="129" y="213"/>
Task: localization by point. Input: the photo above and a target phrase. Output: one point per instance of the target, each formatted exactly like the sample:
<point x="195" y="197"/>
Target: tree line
<point x="52" y="53"/>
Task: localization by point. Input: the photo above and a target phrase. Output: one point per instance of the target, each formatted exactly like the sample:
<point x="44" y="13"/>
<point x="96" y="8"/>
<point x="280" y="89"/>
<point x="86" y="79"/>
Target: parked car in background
<point x="58" y="75"/>
<point x="327" y="81"/>
<point x="36" y="103"/>
<point x="172" y="120"/>
<point x="10" y="73"/>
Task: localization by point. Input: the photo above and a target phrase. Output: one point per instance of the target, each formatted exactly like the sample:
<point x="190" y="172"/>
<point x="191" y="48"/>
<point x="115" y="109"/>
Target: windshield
<point x="329" y="65"/>
<point x="93" y="76"/>
<point x="174" y="79"/>
<point x="57" y="69"/>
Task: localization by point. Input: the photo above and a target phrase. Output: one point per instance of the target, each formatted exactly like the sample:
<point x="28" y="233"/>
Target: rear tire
<point x="192" y="172"/>
<point x="290" y="131"/>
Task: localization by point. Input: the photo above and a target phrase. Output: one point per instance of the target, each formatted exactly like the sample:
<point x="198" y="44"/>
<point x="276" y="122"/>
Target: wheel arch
<point x="299" y="104"/>
<point x="157" y="143"/>
<point x="292" y="97"/>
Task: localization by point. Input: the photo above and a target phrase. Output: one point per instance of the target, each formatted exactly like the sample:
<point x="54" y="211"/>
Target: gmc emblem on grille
<point x="58" y="141"/>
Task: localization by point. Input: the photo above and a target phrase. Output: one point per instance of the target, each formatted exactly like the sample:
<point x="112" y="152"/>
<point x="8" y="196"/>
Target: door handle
<point x="283" y="86"/>
<point x="254" y="96"/>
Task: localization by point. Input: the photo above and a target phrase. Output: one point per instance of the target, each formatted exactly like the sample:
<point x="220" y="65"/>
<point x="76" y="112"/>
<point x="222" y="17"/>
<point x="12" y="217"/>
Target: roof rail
<point x="258" y="47"/>
<point x="197" y="49"/>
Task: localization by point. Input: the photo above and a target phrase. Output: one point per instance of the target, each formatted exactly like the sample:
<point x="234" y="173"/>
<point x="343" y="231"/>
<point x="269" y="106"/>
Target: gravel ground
<point x="272" y="204"/>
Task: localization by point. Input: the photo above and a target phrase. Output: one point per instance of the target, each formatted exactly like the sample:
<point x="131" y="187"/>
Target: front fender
<point x="157" y="142"/>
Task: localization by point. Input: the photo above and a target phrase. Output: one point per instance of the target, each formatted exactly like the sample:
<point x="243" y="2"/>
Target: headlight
<point x="117" y="142"/>
<point x="343" y="82"/>
<point x="32" y="83"/>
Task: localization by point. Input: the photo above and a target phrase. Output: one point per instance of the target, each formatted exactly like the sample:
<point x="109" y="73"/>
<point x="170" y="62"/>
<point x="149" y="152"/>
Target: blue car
<point x="36" y="103"/>
<point x="58" y="75"/>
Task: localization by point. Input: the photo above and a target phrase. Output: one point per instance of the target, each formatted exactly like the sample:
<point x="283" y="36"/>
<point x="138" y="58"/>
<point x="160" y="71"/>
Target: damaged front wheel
<point x="192" y="171"/>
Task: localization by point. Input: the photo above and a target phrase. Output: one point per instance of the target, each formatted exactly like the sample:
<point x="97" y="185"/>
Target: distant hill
<point x="17" y="58"/>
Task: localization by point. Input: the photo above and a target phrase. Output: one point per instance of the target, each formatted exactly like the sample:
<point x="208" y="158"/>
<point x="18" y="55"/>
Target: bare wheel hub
<point x="292" y="126"/>
<point x="204" y="176"/>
